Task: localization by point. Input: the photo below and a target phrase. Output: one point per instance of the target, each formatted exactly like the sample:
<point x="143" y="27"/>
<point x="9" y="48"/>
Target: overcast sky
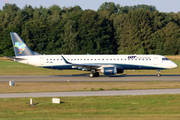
<point x="161" y="5"/>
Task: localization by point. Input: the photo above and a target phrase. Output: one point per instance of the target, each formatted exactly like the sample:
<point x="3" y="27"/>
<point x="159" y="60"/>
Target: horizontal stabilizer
<point x="16" y="58"/>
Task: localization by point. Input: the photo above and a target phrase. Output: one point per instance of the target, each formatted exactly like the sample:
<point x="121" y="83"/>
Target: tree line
<point x="112" y="29"/>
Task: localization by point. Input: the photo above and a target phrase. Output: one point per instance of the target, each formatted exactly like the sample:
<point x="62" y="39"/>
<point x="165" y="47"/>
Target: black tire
<point x="96" y="74"/>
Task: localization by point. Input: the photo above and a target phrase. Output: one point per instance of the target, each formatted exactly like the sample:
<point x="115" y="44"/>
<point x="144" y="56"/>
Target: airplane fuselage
<point x="123" y="61"/>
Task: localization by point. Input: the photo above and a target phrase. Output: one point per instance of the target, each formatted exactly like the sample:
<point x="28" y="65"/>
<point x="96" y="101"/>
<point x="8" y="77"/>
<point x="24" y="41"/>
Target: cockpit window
<point x="165" y="59"/>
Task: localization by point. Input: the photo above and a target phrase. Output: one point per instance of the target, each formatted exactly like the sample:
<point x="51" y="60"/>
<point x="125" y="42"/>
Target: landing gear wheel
<point x="91" y="75"/>
<point x="96" y="74"/>
<point x="159" y="74"/>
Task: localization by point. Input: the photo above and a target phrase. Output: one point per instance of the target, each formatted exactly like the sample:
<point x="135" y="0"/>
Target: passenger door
<point x="155" y="61"/>
<point x="41" y="60"/>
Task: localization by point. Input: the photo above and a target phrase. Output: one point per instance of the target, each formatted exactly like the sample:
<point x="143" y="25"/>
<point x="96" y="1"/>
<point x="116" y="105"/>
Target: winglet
<point x="65" y="60"/>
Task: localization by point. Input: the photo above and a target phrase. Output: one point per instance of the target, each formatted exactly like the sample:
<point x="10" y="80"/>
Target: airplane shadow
<point x="123" y="75"/>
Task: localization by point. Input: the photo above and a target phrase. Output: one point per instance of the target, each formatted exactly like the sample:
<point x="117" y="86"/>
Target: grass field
<point x="142" y="107"/>
<point x="13" y="68"/>
<point x="25" y="87"/>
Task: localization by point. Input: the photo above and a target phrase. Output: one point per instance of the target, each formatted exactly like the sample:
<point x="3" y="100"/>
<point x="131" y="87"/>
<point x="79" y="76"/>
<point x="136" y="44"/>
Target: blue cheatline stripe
<point x="124" y="66"/>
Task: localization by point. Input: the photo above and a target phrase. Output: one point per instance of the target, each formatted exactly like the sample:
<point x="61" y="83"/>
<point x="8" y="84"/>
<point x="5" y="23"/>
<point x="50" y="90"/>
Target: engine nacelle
<point x="109" y="70"/>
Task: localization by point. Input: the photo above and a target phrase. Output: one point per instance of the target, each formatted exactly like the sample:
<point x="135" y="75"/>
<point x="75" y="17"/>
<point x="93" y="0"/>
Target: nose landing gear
<point x="159" y="74"/>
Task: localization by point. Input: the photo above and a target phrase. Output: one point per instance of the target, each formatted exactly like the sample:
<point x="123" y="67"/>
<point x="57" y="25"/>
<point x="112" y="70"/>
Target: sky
<point x="161" y="5"/>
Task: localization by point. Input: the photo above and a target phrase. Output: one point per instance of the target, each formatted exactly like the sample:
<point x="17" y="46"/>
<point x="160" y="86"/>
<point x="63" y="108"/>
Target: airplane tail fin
<point x="20" y="48"/>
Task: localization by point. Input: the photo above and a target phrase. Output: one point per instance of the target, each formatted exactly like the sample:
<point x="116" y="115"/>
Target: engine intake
<point x="109" y="70"/>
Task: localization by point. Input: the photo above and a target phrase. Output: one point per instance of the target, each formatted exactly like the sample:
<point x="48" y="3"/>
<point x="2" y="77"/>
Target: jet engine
<point x="111" y="71"/>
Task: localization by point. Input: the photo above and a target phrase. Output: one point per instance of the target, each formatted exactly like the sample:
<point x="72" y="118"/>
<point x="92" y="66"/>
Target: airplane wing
<point x="82" y="65"/>
<point x="88" y="65"/>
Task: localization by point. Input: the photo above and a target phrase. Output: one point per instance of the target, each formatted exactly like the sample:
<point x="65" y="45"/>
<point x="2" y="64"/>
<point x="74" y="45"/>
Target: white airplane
<point x="106" y="64"/>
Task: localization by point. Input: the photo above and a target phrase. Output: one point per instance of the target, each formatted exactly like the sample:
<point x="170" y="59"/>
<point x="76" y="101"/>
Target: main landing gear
<point x="96" y="74"/>
<point x="93" y="73"/>
<point x="159" y="74"/>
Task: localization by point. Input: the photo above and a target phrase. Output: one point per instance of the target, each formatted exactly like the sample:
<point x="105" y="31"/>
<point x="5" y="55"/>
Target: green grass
<point x="14" y="68"/>
<point x="163" y="107"/>
<point x="32" y="87"/>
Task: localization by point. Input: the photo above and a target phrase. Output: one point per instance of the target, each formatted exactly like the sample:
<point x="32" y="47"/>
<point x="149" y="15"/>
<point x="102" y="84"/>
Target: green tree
<point x="69" y="38"/>
<point x="136" y="33"/>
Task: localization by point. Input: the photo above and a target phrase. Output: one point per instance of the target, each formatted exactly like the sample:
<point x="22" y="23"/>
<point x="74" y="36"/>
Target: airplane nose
<point x="174" y="65"/>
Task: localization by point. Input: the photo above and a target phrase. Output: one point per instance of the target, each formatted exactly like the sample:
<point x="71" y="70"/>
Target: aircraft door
<point x="41" y="60"/>
<point x="155" y="61"/>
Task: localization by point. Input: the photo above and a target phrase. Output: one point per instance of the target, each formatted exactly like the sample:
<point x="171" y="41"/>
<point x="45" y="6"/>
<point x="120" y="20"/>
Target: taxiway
<point x="85" y="78"/>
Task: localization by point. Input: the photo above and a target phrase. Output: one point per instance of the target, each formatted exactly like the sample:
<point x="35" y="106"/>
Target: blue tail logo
<point x="21" y="46"/>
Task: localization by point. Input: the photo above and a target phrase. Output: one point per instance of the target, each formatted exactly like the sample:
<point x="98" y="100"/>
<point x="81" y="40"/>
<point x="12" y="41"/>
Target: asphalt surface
<point x="85" y="78"/>
<point x="93" y="93"/>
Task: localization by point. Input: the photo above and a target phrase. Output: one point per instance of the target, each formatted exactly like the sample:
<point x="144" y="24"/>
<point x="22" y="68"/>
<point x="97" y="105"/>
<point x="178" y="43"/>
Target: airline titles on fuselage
<point x="135" y="57"/>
